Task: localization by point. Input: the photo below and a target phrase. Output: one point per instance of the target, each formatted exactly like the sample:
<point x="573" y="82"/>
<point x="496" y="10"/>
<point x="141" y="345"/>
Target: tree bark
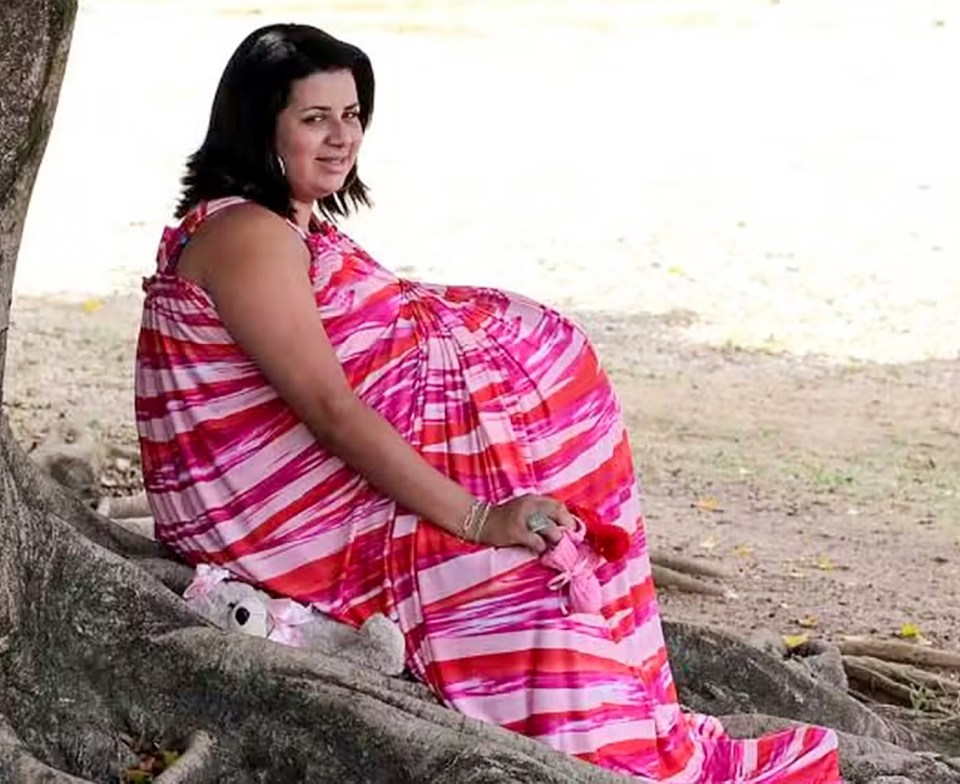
<point x="34" y="41"/>
<point x="93" y="647"/>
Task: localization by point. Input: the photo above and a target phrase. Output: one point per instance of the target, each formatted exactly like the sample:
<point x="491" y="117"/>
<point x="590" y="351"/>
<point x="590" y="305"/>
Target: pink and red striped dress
<point x="506" y="397"/>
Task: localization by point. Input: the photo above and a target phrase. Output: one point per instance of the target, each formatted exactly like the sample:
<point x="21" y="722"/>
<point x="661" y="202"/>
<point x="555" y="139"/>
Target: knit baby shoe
<point x="577" y="562"/>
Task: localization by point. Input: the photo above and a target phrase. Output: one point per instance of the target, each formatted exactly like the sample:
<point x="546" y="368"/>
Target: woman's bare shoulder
<point x="245" y="231"/>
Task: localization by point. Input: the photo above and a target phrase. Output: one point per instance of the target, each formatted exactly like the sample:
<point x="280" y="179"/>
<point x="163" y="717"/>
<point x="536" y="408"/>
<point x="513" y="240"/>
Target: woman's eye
<point x="318" y="118"/>
<point x="353" y="114"/>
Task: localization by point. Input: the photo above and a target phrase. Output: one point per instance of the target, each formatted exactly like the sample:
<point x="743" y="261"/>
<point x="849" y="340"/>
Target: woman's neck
<point x="303" y="213"/>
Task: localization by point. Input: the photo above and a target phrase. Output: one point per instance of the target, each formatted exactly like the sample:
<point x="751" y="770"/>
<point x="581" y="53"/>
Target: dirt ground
<point x="779" y="309"/>
<point x="828" y="491"/>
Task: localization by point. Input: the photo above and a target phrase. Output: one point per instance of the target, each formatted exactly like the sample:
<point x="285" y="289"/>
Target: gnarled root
<point x="124" y="507"/>
<point x="18" y="764"/>
<point x="685" y="574"/>
<point x="902" y="652"/>
<point x="197" y="765"/>
<point x="694" y="566"/>
<point x="904" y="675"/>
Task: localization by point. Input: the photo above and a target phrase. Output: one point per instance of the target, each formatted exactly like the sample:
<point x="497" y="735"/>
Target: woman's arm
<point x="255" y="269"/>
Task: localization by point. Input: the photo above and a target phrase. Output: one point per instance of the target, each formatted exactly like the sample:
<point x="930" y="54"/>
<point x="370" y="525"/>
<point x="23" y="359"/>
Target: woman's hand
<point x="507" y="524"/>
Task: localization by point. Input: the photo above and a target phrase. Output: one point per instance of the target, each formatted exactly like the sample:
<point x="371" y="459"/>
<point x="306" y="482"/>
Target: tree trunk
<point x="93" y="647"/>
<point x="34" y="41"/>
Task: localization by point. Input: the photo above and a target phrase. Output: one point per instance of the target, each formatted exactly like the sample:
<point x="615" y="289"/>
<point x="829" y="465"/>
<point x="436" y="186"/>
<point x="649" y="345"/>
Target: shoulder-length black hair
<point x="238" y="156"/>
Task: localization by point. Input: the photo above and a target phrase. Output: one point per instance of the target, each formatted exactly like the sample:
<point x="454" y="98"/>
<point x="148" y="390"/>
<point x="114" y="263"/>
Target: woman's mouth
<point x="336" y="163"/>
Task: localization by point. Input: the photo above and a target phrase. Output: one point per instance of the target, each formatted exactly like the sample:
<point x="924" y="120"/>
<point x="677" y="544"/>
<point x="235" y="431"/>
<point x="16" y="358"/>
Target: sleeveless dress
<point x="506" y="397"/>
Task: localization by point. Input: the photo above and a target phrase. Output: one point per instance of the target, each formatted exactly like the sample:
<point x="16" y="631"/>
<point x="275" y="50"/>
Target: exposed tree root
<point x="873" y="681"/>
<point x="941" y="733"/>
<point x="173" y="574"/>
<point x="664" y="577"/>
<point x="908" y="675"/>
<point x="141" y="526"/>
<point x="197" y="765"/>
<point x="122" y="507"/>
<point x="694" y="566"/>
<point x="17" y="764"/>
<point x="903" y="652"/>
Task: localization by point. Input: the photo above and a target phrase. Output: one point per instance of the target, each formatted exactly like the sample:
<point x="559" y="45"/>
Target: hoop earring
<point x="283" y="167"/>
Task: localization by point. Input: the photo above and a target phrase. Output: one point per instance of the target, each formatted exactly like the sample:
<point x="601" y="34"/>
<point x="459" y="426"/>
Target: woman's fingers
<point x="546" y="520"/>
<point x="557" y="511"/>
<point x="535" y="542"/>
<point x="551" y="534"/>
<point x="563" y="517"/>
<point x="534" y="521"/>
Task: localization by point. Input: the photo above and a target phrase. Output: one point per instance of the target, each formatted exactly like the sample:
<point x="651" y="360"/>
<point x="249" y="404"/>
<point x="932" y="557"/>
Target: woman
<point x="366" y="443"/>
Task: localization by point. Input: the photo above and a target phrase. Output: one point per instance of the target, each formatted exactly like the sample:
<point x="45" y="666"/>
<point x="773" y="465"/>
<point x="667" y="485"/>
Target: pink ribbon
<point x="577" y="562"/>
<point x="286" y="615"/>
<point x="204" y="581"/>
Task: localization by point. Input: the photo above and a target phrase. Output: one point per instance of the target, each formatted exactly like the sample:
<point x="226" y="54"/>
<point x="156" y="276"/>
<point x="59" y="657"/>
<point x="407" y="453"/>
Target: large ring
<point x="538" y="521"/>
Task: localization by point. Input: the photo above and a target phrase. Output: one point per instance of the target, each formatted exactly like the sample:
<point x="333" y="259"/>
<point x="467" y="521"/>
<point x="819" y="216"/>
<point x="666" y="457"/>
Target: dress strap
<point x="192" y="220"/>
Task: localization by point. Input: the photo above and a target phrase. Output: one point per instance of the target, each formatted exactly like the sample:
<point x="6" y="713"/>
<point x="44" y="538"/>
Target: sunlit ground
<point x="786" y="172"/>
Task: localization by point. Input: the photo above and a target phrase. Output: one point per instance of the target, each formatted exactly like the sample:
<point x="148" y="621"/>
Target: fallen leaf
<point x="92" y="305"/>
<point x="825" y="564"/>
<point x="709" y="504"/>
<point x="794" y="641"/>
<point x="710" y="543"/>
<point x="809" y="621"/>
<point x="910" y="631"/>
<point x="743" y="551"/>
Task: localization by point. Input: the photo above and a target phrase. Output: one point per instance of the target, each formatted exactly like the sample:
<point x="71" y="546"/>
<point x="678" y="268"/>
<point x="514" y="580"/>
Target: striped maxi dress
<point x="506" y="397"/>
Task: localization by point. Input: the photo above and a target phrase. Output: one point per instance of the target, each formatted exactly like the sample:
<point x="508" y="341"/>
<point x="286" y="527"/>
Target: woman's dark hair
<point x="238" y="156"/>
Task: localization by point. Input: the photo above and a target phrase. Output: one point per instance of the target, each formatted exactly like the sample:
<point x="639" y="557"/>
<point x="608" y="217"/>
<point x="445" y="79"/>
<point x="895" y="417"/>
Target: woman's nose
<point x="337" y="133"/>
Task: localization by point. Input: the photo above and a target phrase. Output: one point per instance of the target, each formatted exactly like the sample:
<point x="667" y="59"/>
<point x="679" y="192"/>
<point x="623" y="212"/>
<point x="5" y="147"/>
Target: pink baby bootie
<point x="577" y="562"/>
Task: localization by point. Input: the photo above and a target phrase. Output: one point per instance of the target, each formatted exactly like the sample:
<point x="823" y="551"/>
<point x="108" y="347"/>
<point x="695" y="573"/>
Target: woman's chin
<point x="328" y="187"/>
<point x="314" y="195"/>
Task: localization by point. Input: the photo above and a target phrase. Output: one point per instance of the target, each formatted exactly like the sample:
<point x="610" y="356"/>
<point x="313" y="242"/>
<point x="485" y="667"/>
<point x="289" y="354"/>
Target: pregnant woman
<point x="366" y="443"/>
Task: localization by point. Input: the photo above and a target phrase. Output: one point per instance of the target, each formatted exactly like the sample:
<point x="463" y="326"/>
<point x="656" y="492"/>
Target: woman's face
<point x="318" y="134"/>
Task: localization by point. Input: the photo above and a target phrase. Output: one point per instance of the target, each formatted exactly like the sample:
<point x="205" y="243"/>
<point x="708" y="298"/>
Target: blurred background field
<point x="786" y="171"/>
<point x="751" y="206"/>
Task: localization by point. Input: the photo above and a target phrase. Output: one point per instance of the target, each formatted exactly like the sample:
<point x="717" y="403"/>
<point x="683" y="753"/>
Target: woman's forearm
<point x="370" y="445"/>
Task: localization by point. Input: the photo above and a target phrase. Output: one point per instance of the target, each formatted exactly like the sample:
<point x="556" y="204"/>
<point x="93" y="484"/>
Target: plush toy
<point x="579" y="554"/>
<point x="233" y="604"/>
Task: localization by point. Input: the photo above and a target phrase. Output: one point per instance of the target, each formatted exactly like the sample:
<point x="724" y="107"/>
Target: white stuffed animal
<point x="236" y="605"/>
<point x="233" y="604"/>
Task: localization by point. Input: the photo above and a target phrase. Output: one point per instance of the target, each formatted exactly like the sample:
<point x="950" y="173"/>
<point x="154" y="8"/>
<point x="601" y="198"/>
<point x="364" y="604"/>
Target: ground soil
<point x="828" y="491"/>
